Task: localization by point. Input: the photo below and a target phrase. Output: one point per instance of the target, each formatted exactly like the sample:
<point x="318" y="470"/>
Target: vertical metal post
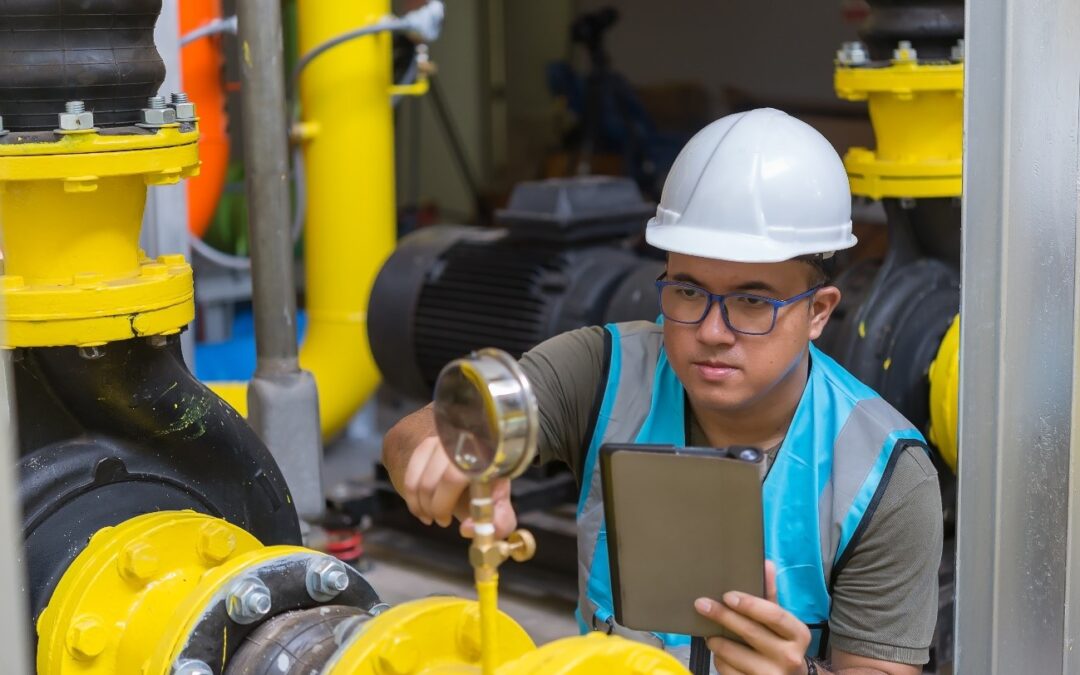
<point x="282" y="399"/>
<point x="14" y="638"/>
<point x="266" y="168"/>
<point x="1018" y="517"/>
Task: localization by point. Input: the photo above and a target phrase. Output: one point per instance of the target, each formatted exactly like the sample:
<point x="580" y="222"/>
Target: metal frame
<point x="15" y="640"/>
<point x="1017" y="536"/>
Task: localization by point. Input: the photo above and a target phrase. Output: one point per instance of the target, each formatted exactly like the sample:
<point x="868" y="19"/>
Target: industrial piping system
<point x="160" y="535"/>
<point x="347" y="136"/>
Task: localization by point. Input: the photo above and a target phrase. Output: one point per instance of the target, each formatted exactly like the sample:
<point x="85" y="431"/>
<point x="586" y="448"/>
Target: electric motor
<point x="564" y="259"/>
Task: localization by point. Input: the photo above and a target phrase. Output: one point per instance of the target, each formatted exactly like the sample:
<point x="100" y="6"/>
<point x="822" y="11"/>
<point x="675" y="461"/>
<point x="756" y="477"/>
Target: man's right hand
<point x="436" y="491"/>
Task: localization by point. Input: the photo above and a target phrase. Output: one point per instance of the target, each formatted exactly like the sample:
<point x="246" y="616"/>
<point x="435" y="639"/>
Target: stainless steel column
<point x="282" y="399"/>
<point x="1018" y="511"/>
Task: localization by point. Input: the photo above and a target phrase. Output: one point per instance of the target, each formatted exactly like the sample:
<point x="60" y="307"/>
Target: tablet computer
<point x="682" y="523"/>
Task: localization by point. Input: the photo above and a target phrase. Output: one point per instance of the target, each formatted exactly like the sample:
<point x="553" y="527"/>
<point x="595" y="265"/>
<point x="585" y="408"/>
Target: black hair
<point x="824" y="268"/>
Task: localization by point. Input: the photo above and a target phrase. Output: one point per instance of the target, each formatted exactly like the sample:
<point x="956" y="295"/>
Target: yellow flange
<point x="130" y="600"/>
<point x="917" y="114"/>
<point x="72" y="210"/>
<point x="595" y="653"/>
<point x="945" y="395"/>
<point x="430" y="636"/>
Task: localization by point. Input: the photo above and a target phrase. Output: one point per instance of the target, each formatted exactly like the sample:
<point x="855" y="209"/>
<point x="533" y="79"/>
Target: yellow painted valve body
<point x="433" y="635"/>
<point x="945" y="395"/>
<point x="442" y="635"/>
<point x="595" y="653"/>
<point x="129" y="601"/>
<point x="71" y="211"/>
<point x="917" y="112"/>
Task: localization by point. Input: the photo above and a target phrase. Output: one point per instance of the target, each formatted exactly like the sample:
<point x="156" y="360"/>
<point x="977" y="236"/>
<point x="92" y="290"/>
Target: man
<point x="753" y="206"/>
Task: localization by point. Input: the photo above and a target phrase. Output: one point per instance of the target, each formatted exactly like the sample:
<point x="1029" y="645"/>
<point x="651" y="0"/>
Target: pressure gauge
<point x="486" y="415"/>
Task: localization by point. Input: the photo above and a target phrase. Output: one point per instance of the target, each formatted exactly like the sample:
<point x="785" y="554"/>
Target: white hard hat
<point x="758" y="186"/>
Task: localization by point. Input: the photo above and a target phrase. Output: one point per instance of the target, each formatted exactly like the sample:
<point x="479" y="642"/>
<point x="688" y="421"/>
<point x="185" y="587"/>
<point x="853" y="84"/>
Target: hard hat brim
<point x="739" y="247"/>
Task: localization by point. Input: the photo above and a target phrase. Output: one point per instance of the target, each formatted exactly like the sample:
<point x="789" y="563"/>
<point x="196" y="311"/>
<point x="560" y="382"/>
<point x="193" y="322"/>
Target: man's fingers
<point x="429" y="483"/>
<point x="769" y="614"/>
<point x="447" y="495"/>
<point x="505" y="518"/>
<point x="467" y="530"/>
<point x="757" y="636"/>
<point x="770" y="581"/>
<point x="728" y="669"/>
<point x="732" y="657"/>
<point x="414" y="472"/>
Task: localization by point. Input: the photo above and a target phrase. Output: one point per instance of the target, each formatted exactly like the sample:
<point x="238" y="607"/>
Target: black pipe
<point x="932" y="27"/>
<point x="115" y="431"/>
<point x="101" y="52"/>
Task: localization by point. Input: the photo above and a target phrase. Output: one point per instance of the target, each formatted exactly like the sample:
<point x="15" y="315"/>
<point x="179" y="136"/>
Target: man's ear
<point x="821" y="308"/>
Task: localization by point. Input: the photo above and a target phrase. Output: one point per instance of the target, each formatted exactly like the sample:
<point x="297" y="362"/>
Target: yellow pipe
<point x="71" y="209"/>
<point x="945" y="395"/>
<point x="487" y="593"/>
<point x="349" y="162"/>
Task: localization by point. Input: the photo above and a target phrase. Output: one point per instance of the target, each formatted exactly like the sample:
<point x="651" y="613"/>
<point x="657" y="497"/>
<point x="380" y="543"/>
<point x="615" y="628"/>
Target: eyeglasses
<point x="744" y="313"/>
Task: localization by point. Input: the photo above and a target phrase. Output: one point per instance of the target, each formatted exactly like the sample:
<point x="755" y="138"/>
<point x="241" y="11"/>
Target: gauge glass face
<point x="467" y="419"/>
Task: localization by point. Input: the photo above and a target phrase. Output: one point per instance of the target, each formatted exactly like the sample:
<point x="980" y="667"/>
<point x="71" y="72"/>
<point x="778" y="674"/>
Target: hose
<point x="425" y="22"/>
<point x="239" y="262"/>
<point x="227" y="25"/>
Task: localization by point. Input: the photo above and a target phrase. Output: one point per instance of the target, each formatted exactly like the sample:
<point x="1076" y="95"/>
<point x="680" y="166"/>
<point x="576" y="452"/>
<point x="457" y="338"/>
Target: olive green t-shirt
<point x="885" y="600"/>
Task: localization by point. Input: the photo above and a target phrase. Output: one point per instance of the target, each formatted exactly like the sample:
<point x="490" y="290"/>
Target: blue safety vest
<point x="837" y="455"/>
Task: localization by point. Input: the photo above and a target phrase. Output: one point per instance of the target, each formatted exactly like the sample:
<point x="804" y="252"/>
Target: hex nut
<point x="138" y="562"/>
<point x="957" y="54"/>
<point x="76" y="121"/>
<point x="87" y="637"/>
<point x="326" y="579"/>
<point x="248" y="601"/>
<point x="489" y="556"/>
<point x="853" y="54"/>
<point x="216" y="543"/>
<point x="185" y="112"/>
<point x="157" y="117"/>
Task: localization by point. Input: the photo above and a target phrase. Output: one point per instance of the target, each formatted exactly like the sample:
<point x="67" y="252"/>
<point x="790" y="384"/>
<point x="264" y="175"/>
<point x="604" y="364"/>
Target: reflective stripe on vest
<point x="817" y="491"/>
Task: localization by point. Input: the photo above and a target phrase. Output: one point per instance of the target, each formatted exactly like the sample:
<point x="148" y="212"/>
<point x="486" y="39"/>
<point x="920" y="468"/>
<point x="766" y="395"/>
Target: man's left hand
<point x="776" y="641"/>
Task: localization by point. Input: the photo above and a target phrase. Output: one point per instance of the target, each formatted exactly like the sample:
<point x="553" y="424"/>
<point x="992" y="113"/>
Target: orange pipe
<point x="202" y="68"/>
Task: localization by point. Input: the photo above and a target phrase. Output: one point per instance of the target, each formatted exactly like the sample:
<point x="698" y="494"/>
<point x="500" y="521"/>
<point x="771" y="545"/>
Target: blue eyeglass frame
<point x="720" y="297"/>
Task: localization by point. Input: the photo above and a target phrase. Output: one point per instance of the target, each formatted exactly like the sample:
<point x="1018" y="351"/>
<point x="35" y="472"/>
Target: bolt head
<point x="138" y="562"/>
<point x="156" y="117"/>
<point x="192" y="667"/>
<point x="957" y="54"/>
<point x="86" y="638"/>
<point x="216" y="543"/>
<point x="185" y="112"/>
<point x="852" y="54"/>
<point x="76" y="121"/>
<point x="248" y="601"/>
<point x="905" y="52"/>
